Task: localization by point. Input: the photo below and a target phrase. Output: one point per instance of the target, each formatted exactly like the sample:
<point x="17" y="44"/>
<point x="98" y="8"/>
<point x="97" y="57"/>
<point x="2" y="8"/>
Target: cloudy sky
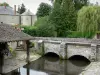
<point x="32" y="4"/>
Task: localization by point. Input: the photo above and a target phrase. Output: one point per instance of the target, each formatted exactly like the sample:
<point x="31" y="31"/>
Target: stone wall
<point x="79" y="50"/>
<point x="52" y="46"/>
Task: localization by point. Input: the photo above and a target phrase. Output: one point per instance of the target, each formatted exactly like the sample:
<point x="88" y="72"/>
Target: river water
<point x="51" y="66"/>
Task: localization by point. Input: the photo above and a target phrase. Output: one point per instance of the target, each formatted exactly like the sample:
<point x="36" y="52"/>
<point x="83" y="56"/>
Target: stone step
<point x="19" y="48"/>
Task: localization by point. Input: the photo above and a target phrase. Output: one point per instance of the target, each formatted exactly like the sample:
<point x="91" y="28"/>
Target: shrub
<point x="44" y="27"/>
<point x="76" y="34"/>
<point x="31" y="30"/>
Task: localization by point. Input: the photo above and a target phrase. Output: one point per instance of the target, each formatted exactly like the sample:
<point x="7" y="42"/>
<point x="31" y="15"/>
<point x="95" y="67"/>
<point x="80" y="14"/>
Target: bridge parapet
<point x="94" y="52"/>
<point x="66" y="49"/>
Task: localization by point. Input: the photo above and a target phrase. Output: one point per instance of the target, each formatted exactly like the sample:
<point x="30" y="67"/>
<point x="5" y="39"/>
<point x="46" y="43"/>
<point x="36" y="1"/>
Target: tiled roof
<point x="28" y="12"/>
<point x="9" y="33"/>
<point x="6" y="10"/>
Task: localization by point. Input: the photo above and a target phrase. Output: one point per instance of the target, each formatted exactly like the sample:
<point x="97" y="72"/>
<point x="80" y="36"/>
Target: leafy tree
<point x="4" y="4"/>
<point x="68" y="14"/>
<point x="88" y="21"/>
<point x="43" y="10"/>
<point x="80" y="3"/>
<point x="21" y="9"/>
<point x="63" y="16"/>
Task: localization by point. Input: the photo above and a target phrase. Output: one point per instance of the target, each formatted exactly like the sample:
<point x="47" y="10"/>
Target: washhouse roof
<point x="9" y="33"/>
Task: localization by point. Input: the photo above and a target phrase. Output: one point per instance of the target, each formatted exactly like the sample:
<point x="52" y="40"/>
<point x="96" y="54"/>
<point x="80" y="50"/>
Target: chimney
<point x="14" y="9"/>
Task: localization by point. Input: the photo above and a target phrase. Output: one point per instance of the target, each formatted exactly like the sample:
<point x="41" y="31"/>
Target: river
<point x="52" y="66"/>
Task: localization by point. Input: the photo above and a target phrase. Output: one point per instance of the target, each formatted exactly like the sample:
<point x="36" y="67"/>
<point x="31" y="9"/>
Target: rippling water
<point x="51" y="66"/>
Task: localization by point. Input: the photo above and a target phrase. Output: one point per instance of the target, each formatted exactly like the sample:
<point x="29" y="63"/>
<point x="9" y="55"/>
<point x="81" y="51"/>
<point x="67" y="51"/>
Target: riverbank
<point x="19" y="60"/>
<point x="92" y="69"/>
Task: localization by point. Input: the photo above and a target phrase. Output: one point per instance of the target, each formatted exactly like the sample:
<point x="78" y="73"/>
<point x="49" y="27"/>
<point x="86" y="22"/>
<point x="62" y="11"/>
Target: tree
<point x="43" y="10"/>
<point x="22" y="9"/>
<point x="88" y="21"/>
<point x="68" y="14"/>
<point x="63" y="16"/>
<point x="78" y="4"/>
<point x="4" y="4"/>
<point x="44" y="27"/>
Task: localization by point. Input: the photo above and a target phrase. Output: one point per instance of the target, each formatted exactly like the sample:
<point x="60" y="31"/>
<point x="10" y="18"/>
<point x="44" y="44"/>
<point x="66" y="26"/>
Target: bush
<point x="76" y="34"/>
<point x="44" y="27"/>
<point x="31" y="30"/>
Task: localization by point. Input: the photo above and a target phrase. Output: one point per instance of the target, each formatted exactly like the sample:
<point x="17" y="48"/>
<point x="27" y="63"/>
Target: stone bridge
<point x="69" y="47"/>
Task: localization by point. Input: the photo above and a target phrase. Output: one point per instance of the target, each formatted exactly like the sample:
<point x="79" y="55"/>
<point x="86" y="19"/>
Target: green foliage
<point x="12" y="51"/>
<point x="69" y="15"/>
<point x="4" y="4"/>
<point x="21" y="9"/>
<point x="63" y="16"/>
<point x="76" y="34"/>
<point x="41" y="20"/>
<point x="43" y="10"/>
<point x="31" y="30"/>
<point x="44" y="27"/>
<point x="31" y="44"/>
<point x="80" y="3"/>
<point x="88" y="21"/>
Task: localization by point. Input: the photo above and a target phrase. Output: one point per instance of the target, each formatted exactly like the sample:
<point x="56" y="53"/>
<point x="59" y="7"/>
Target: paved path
<point x="18" y="61"/>
<point x="92" y="69"/>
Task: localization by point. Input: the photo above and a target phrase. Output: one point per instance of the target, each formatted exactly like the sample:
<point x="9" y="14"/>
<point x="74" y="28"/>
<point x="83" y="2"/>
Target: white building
<point x="28" y="18"/>
<point x="9" y="15"/>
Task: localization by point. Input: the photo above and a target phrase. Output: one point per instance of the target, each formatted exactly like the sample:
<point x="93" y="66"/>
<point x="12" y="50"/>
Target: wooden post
<point x="1" y="63"/>
<point x="27" y="50"/>
<point x="20" y="20"/>
<point x="28" y="69"/>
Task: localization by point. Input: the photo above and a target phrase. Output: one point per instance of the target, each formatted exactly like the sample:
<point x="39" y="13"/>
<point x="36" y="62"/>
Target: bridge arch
<point x="79" y="57"/>
<point x="51" y="54"/>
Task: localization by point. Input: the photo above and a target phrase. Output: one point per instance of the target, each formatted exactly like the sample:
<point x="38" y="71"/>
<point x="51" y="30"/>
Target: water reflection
<point x="51" y="66"/>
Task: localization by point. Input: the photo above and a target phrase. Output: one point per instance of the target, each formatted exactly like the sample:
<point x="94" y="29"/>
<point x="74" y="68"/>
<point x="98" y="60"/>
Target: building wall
<point x="82" y="50"/>
<point x="9" y="19"/>
<point x="15" y="19"/>
<point x="26" y="20"/>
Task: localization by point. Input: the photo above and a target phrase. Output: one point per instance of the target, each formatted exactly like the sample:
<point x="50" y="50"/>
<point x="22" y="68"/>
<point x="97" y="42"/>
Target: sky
<point x="32" y="5"/>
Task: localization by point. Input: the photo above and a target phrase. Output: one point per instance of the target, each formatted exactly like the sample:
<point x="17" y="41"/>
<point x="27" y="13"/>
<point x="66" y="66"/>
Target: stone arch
<point x="79" y="56"/>
<point x="52" y="53"/>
